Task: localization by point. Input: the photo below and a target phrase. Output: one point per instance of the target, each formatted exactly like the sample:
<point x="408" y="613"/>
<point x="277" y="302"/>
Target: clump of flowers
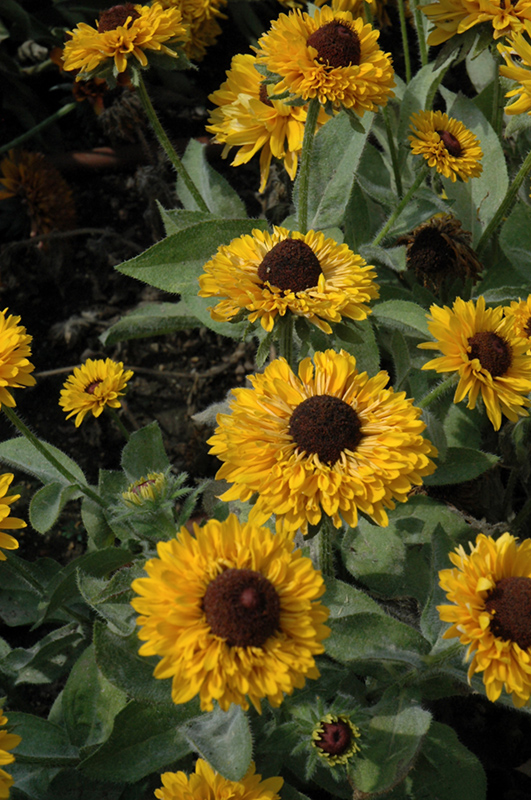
<point x="8" y="741"/>
<point x="40" y="190"/>
<point x="94" y="386"/>
<point x="446" y="144"/>
<point x="488" y="355"/>
<point x="234" y="613"/>
<point x="270" y="275"/>
<point x="329" y="441"/>
<point x="206" y="783"/>
<point x="201" y="18"/>
<point x="247" y="119"/>
<point x="520" y="312"/>
<point x="7" y="523"/>
<point x="454" y="17"/>
<point x="15" y="366"/>
<point x="331" y="56"/>
<point x="490" y="595"/>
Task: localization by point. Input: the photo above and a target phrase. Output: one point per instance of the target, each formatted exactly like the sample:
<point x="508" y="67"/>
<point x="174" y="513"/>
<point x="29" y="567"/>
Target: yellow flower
<point x="92" y="387"/>
<point x="446" y="144"/>
<point x="8" y="741"/>
<point x="367" y="9"/>
<point x="201" y="17"/>
<point x="124" y="31"/>
<point x="334" y="738"/>
<point x="486" y="352"/>
<point x="45" y="195"/>
<point x="15" y="350"/>
<point x="518" y="70"/>
<point x="288" y="272"/>
<point x="331" y="56"/>
<point x="330" y="441"/>
<point x="520" y="312"/>
<point x="452" y="17"/>
<point x="206" y="784"/>
<point x="233" y="612"/>
<point x="7" y="523"/>
<point x="145" y="490"/>
<point x="490" y="590"/>
<point x="247" y="119"/>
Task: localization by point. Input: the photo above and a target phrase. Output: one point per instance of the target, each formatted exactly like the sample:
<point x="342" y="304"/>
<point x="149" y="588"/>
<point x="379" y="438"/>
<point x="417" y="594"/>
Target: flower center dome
<point x="335" y="738"/>
<point x="451" y="143"/>
<point x="337" y="44"/>
<point x="493" y="352"/>
<point x="117" y="16"/>
<point x="291" y="265"/>
<point x="510" y="601"/>
<point x="325" y="425"/>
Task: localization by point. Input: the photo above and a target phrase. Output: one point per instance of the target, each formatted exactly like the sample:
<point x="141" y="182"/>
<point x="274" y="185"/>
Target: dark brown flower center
<point x="263" y="95"/>
<point x="291" y="265"/>
<point x="116" y="16"/>
<point x="91" y="388"/>
<point x="337" y="44"/>
<point x="493" y="352"/>
<point x="451" y="143"/>
<point x="242" y="607"/>
<point x="335" y="738"/>
<point x="527" y="328"/>
<point x="510" y="602"/>
<point x="325" y="425"/>
<point x="430" y="252"/>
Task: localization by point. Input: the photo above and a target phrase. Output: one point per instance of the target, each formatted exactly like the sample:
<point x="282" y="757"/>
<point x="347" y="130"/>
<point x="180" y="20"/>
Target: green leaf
<point x="89" y="702"/>
<point x="48" y="502"/>
<point x="19" y="453"/>
<point x="446" y="769"/>
<point x="175" y="263"/>
<point x="152" y="319"/>
<point x="375" y="637"/>
<point x="144" y="452"/>
<point x="177" y="219"/>
<point x="366" y="351"/>
<point x="98" y="530"/>
<point x="461" y="464"/>
<point x="48" y="660"/>
<point x="144" y="739"/>
<point x="42" y="742"/>
<point x="343" y="600"/>
<point x="335" y="158"/>
<point x="515" y="239"/>
<point x="111" y="599"/>
<point x="22" y="588"/>
<point x="395" y="736"/>
<point x="402" y="315"/>
<point x="414" y="99"/>
<point x="430" y="621"/>
<point x="217" y="193"/>
<point x="198" y="307"/>
<point x="224" y="739"/>
<point x="118" y="659"/>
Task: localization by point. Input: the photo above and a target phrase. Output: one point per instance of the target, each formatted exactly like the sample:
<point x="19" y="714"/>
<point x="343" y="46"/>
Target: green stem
<point x="118" y="422"/>
<point x="405" y="45"/>
<point x="49" y="456"/>
<point x="392" y="151"/>
<point x="304" y="168"/>
<point x="435" y="87"/>
<point x="497" y="97"/>
<point x="44" y="124"/>
<point x="439" y="390"/>
<point x="423" y="47"/>
<point x="401" y="206"/>
<point x="326" y="547"/>
<point x="167" y="145"/>
<point x="285" y="337"/>
<point x="505" y="205"/>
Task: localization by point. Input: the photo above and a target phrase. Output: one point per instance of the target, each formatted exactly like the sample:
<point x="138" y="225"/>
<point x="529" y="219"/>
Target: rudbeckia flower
<point x="92" y="387"/>
<point x="517" y="67"/>
<point x="207" y="784"/>
<point x="446" y="144"/>
<point x="452" y="17"/>
<point x="15" y="366"/>
<point x="520" y="312"/>
<point x="7" y="523"/>
<point x="8" y="741"/>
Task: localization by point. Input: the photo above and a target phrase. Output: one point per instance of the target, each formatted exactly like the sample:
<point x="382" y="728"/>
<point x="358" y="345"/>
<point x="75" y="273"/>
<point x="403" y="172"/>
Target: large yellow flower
<point x="452" y="17"/>
<point x="330" y="441"/>
<point x="8" y="741"/>
<point x="248" y="120"/>
<point x="234" y="613"/>
<point x="201" y="17"/>
<point x="490" y="590"/>
<point x="7" y="523"/>
<point x="288" y="272"/>
<point x="484" y="349"/>
<point x="205" y="784"/>
<point x="15" y="366"/>
<point x="331" y="56"/>
<point x="520" y="312"/>
<point x="124" y="31"/>
<point x="45" y="195"/>
<point x="518" y="70"/>
<point x="92" y="387"/>
<point x="446" y="144"/>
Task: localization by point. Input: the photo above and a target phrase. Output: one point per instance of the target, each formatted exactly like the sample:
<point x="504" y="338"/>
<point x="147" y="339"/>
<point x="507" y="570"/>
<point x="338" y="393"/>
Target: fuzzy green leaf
<point x="461" y="464"/>
<point x="224" y="739"/>
<point x="42" y="742"/>
<point x="19" y="453"/>
<point x="48" y="502"/>
<point x="375" y="637"/>
<point x="144" y="452"/>
<point x="153" y="319"/>
<point x="402" y="315"/>
<point x="215" y="190"/>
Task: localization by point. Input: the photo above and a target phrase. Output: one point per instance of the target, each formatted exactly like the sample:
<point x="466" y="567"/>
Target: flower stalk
<point x="437" y="392"/>
<point x="401" y="206"/>
<point x="405" y="43"/>
<point x="304" y="169"/>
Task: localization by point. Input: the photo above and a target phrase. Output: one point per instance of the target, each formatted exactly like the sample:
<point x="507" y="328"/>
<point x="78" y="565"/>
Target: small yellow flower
<point x="446" y="144"/>
<point x="487" y="354"/>
<point x="287" y="272"/>
<point x="518" y="69"/>
<point x="334" y="738"/>
<point x="328" y="441"/>
<point x="92" y="387"/>
<point x="453" y="17"/>
<point x="146" y="489"/>
<point x="8" y="741"/>
<point x="520" y="312"/>
<point x="209" y="785"/>
<point x="248" y="120"/>
<point x="124" y="31"/>
<point x="233" y="610"/>
<point x="15" y="366"/>
<point x="490" y="592"/>
<point x="201" y="18"/>
<point x="7" y="523"/>
<point x="331" y="56"/>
